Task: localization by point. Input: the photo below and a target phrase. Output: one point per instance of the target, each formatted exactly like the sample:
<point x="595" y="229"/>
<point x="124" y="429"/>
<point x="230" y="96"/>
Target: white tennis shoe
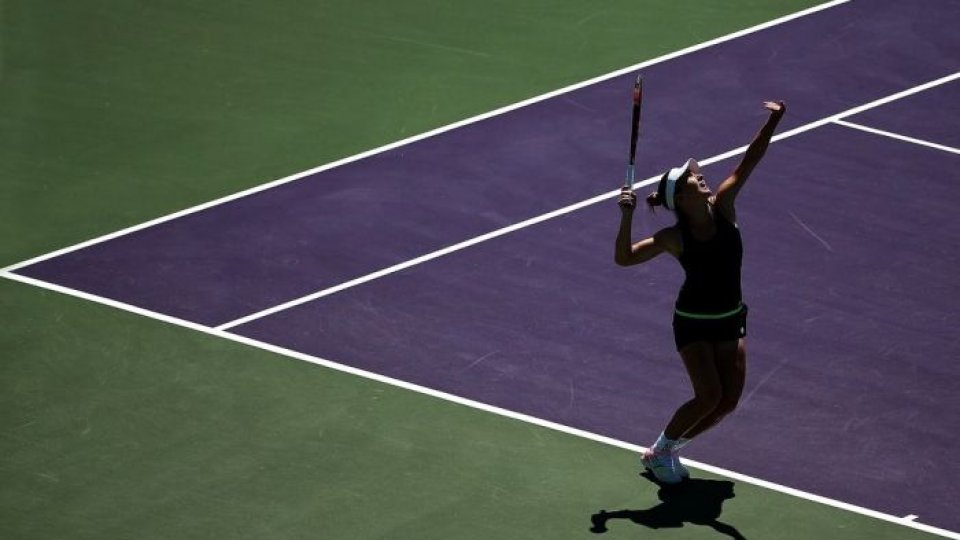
<point x="681" y="470"/>
<point x="665" y="466"/>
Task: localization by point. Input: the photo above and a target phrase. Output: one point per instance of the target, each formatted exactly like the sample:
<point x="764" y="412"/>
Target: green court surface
<point x="113" y="425"/>
<point x="113" y="112"/>
<point x="118" y="426"/>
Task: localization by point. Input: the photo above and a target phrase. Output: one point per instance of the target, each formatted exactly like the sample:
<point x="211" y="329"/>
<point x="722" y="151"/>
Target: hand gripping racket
<point x="634" y="129"/>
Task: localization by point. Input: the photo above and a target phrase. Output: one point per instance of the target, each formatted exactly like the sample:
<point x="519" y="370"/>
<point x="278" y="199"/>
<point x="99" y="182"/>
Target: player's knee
<point x="727" y="405"/>
<point x="707" y="401"/>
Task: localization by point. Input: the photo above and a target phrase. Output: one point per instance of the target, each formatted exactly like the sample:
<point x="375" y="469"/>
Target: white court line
<point x="429" y="256"/>
<point x="897" y="136"/>
<point x="835" y="118"/>
<point x="908" y="521"/>
<point x="431" y="133"/>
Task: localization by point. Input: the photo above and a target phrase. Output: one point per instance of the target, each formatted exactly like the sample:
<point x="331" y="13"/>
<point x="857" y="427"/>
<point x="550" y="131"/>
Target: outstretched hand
<point x="778" y="108"/>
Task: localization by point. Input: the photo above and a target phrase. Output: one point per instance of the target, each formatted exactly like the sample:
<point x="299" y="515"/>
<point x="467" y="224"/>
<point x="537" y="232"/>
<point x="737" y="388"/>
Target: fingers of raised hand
<point x="775" y="106"/>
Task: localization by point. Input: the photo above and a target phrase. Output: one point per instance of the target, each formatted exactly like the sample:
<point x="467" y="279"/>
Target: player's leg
<point x="700" y="362"/>
<point x="731" y="364"/>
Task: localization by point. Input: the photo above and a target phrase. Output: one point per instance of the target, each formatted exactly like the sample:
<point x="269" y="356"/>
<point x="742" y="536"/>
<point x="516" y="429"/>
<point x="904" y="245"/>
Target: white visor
<point x="675" y="174"/>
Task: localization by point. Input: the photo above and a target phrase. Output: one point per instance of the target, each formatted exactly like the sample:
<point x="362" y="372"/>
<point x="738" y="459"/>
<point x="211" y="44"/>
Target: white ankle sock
<point x="664" y="444"/>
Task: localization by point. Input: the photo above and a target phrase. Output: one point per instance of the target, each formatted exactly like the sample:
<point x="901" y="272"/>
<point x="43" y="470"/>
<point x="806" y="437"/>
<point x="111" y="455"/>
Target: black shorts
<point x="687" y="330"/>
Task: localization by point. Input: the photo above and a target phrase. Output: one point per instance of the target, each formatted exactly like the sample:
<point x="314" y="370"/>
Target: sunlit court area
<point x="351" y="270"/>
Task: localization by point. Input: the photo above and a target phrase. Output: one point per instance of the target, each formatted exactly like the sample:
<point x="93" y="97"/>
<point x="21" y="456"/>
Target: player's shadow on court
<point x="694" y="501"/>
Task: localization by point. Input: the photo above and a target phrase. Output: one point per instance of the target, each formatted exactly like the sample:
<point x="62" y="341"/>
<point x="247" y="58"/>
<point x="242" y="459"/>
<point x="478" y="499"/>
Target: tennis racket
<point x="634" y="130"/>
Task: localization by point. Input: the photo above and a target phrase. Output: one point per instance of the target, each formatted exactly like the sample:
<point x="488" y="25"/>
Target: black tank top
<point x="712" y="283"/>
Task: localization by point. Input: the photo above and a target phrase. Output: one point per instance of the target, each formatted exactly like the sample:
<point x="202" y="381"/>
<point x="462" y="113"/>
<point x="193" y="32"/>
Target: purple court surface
<point x="850" y="259"/>
<point x="933" y="115"/>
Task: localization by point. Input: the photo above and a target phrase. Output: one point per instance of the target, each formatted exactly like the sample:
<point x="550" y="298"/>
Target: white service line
<point x="431" y="133"/>
<point x="897" y="136"/>
<point x="835" y="118"/>
<point x="430" y="256"/>
<point x="908" y="521"/>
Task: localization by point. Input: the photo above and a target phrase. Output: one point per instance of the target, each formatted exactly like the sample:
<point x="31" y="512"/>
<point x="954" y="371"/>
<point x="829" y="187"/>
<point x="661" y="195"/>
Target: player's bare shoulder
<point x="670" y="240"/>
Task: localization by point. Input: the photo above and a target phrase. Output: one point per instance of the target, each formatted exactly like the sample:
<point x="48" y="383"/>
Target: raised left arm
<point x="729" y="188"/>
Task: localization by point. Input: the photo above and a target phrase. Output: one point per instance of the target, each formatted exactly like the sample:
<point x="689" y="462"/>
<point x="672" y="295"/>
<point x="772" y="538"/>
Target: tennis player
<point x="710" y="319"/>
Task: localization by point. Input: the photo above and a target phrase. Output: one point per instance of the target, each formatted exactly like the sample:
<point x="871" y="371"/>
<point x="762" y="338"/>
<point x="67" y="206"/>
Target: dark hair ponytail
<point x="658" y="198"/>
<point x="654" y="200"/>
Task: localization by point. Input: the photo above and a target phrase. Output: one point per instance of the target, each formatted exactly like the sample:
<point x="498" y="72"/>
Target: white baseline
<point x="908" y="521"/>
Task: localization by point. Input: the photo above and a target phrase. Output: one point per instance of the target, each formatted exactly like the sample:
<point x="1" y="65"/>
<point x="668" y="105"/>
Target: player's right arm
<point x="627" y="253"/>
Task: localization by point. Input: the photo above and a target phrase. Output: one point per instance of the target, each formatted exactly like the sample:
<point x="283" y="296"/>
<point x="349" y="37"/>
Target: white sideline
<point x="431" y="133"/>
<point x="908" y="521"/>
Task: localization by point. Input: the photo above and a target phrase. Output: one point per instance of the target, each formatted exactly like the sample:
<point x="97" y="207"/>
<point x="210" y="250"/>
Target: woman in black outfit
<point x="709" y="322"/>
